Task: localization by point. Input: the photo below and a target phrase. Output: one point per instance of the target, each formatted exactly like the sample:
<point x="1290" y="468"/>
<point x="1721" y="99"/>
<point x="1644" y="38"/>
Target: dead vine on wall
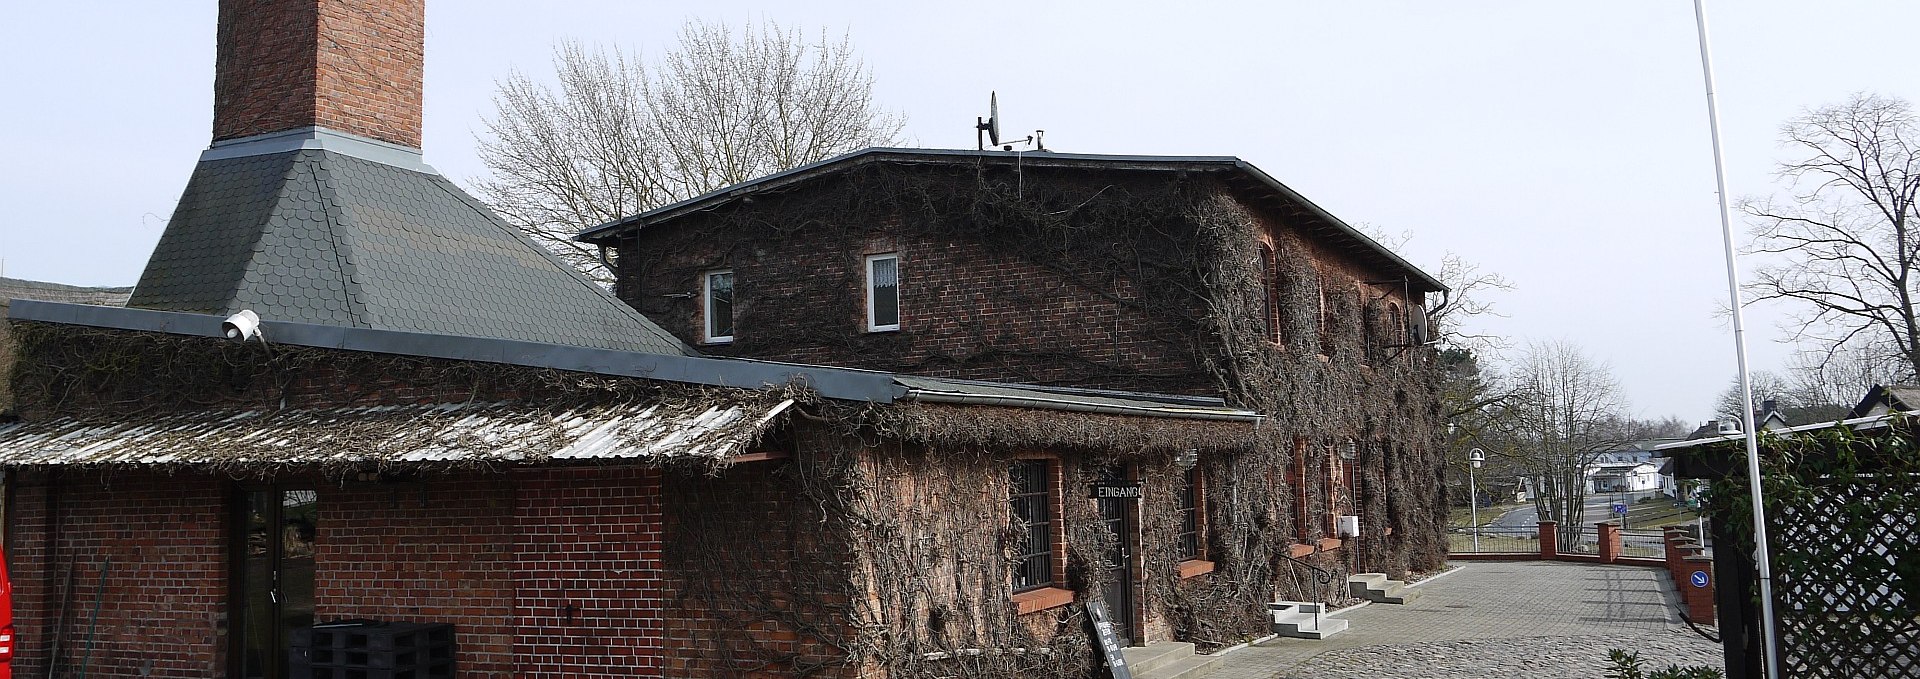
<point x="1178" y="259"/>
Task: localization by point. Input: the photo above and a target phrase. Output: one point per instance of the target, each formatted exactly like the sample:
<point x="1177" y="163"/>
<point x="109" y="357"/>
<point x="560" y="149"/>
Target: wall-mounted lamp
<point x="1476" y="457"/>
<point x="1187" y="459"/>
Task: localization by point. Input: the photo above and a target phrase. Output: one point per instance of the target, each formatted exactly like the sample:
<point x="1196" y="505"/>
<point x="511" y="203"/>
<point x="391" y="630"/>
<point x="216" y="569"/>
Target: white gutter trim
<point x="1868" y="422"/>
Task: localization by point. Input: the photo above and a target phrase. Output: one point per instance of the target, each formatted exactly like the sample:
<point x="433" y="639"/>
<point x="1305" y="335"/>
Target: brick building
<point x="848" y="420"/>
<point x="1200" y="277"/>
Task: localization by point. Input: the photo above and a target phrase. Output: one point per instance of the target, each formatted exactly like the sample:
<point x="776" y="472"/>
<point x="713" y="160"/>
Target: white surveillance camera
<point x="242" y="326"/>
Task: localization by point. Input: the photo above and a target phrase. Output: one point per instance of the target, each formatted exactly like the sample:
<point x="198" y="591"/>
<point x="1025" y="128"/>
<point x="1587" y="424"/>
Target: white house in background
<point x="1625" y="477"/>
<point x="1630" y="468"/>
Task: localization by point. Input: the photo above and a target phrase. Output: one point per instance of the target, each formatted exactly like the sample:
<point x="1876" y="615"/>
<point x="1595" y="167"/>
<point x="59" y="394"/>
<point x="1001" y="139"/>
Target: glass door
<point x="272" y="592"/>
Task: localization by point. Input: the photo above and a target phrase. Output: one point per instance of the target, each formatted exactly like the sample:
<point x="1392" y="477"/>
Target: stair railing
<point x="1321" y="577"/>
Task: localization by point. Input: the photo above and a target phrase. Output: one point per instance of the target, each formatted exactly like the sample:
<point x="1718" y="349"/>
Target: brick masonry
<point x="546" y="572"/>
<point x="354" y="66"/>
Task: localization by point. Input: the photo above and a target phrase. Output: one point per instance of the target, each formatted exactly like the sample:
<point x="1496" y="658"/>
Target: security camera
<point x="242" y="326"/>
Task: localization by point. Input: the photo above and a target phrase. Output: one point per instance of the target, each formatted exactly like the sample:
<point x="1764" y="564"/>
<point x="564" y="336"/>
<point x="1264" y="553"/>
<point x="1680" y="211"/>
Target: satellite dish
<point x="990" y="126"/>
<point x="993" y="117"/>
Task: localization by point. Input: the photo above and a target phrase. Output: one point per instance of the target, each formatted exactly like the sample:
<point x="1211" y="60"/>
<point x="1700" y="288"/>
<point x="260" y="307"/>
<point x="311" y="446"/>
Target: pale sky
<point x="1561" y="144"/>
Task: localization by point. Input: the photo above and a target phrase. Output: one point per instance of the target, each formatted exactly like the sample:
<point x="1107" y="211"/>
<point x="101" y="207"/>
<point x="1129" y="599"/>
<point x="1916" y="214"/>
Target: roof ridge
<point x="344" y="236"/>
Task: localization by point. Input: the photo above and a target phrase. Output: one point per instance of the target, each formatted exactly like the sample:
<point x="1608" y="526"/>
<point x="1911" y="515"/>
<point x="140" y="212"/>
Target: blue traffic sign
<point x="1699" y="578"/>
<point x="1620" y="508"/>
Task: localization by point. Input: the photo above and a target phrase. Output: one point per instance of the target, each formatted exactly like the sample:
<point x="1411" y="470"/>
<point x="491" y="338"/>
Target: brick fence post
<point x="1699" y="599"/>
<point x="1549" y="540"/>
<point x="1609" y="536"/>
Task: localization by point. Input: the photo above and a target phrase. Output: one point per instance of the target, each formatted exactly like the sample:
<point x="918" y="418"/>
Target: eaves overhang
<point x="834" y="383"/>
<point x="1240" y="175"/>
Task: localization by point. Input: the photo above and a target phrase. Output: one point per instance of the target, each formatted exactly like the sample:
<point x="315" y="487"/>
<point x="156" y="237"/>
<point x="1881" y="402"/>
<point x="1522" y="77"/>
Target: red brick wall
<point x="432" y="551"/>
<point x="162" y="611"/>
<point x="547" y="573"/>
<point x="354" y="66"/>
<point x="589" y="576"/>
<point x="756" y="583"/>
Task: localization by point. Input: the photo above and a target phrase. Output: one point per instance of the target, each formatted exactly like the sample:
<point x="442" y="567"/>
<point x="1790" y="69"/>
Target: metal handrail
<point x="1321" y="577"/>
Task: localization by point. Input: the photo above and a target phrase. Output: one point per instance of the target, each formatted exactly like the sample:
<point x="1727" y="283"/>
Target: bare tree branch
<point x="1846" y="256"/>
<point x="614" y="135"/>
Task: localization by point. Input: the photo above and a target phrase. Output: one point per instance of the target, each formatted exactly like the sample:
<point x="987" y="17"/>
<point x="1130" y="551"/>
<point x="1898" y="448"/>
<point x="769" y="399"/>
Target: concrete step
<point x="1186" y="668"/>
<point x="1146" y="659"/>
<point x="1297" y="619"/>
<point x="1399" y="593"/>
<point x="1376" y="587"/>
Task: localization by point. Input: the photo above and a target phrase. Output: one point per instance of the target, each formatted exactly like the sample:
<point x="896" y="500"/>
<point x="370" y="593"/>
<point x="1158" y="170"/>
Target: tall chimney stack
<point x="352" y="66"/>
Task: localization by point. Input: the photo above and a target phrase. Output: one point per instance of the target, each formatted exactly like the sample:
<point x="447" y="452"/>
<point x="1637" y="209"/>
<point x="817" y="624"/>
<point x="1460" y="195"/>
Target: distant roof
<point x="15" y="288"/>
<point x="714" y="427"/>
<point x="1239" y="174"/>
<point x="332" y="233"/>
<point x="1882" y="399"/>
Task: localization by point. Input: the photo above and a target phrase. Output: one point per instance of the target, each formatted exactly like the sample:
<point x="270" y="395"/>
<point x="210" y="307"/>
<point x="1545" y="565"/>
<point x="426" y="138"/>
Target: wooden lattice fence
<point x="1846" y="559"/>
<point x="1843" y="510"/>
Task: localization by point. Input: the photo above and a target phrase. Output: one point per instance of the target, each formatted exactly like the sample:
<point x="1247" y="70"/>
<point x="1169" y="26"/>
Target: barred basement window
<point x="883" y="292"/>
<point x="1189" y="509"/>
<point x="717" y="293"/>
<point x="1032" y="507"/>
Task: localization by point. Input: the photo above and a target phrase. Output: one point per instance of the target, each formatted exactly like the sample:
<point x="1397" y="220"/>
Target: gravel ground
<point x="1579" y="657"/>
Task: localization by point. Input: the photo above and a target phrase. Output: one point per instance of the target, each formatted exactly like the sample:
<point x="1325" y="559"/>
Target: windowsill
<point x="717" y="342"/>
<point x="1195" y="567"/>
<point x="881" y="330"/>
<point x="1299" y="551"/>
<point x="1035" y="600"/>
<point x="1328" y="544"/>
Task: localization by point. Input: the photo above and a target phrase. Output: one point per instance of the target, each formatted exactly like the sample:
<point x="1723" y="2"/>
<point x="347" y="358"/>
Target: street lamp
<point x="1474" y="459"/>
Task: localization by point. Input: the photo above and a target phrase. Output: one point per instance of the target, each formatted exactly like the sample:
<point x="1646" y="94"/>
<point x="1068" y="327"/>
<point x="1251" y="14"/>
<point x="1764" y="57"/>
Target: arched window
<point x="1270" y="293"/>
<point x="1326" y="320"/>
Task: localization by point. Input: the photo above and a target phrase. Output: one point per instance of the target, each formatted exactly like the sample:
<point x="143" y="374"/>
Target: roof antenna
<point x="988" y="129"/>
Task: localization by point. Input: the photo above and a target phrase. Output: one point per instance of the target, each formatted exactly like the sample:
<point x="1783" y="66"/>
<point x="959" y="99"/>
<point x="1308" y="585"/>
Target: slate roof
<point x="317" y="236"/>
<point x="711" y="428"/>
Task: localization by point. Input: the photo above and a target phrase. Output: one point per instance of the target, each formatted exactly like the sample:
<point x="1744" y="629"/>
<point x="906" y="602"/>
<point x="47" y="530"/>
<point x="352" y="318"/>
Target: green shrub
<point x="1624" y="665"/>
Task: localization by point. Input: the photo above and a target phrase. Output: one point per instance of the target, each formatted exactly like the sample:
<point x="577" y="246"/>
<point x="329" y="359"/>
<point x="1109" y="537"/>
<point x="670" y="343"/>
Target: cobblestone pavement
<point x="1495" y="619"/>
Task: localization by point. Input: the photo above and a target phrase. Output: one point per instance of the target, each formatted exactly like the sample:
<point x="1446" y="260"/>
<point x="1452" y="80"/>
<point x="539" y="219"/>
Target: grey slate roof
<point x="316" y="236"/>
<point x="15" y="288"/>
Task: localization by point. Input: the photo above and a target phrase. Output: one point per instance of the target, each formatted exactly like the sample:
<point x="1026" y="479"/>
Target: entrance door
<point x="272" y="591"/>
<point x="1117" y="514"/>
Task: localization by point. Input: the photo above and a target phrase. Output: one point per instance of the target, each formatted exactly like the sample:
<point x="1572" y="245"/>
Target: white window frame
<point x="897" y="279"/>
<point x="706" y="308"/>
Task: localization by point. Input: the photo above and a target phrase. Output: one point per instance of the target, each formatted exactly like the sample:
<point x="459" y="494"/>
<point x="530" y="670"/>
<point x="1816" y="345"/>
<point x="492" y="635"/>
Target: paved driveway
<point x="1495" y="619"/>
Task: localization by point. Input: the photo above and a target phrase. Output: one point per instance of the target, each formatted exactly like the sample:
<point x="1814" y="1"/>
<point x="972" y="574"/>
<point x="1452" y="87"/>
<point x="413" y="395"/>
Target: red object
<point x="6" y="621"/>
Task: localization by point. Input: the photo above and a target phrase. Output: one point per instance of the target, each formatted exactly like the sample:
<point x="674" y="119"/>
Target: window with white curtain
<point x="883" y="292"/>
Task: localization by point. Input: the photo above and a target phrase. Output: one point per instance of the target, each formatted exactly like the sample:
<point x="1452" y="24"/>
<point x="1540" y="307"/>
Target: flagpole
<point x="1761" y="555"/>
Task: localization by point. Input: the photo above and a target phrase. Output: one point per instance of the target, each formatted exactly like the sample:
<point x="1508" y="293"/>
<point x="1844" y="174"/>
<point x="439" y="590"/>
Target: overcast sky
<point x="1561" y="144"/>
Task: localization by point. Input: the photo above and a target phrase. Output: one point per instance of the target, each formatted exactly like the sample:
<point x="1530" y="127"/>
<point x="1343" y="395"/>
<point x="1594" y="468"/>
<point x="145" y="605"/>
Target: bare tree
<point x="1563" y="413"/>
<point x="1848" y="257"/>
<point x="616" y="136"/>
<point x="1466" y="299"/>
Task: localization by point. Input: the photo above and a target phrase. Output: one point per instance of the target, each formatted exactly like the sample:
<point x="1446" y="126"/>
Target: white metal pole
<point x="1760" y="553"/>
<point x="1473" y="505"/>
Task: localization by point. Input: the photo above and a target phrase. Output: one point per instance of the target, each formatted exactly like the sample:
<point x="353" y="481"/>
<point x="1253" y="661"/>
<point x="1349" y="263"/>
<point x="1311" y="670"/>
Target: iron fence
<point x="1494" y="540"/>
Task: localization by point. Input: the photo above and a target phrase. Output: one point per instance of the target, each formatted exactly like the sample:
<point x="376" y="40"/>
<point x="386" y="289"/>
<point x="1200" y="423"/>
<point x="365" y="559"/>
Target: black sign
<point x="1107" y="490"/>
<point x="1109" y="640"/>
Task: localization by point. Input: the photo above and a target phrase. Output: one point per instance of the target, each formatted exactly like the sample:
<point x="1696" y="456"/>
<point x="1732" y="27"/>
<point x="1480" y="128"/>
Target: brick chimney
<point x="352" y="66"/>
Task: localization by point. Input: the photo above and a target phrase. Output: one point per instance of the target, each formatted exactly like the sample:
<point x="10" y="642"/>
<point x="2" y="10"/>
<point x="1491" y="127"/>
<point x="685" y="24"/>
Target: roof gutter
<point x="1040" y="402"/>
<point x="848" y="385"/>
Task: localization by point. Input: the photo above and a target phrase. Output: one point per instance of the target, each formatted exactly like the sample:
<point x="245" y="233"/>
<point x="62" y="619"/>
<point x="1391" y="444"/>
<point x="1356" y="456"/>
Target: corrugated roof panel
<point x="711" y="428"/>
